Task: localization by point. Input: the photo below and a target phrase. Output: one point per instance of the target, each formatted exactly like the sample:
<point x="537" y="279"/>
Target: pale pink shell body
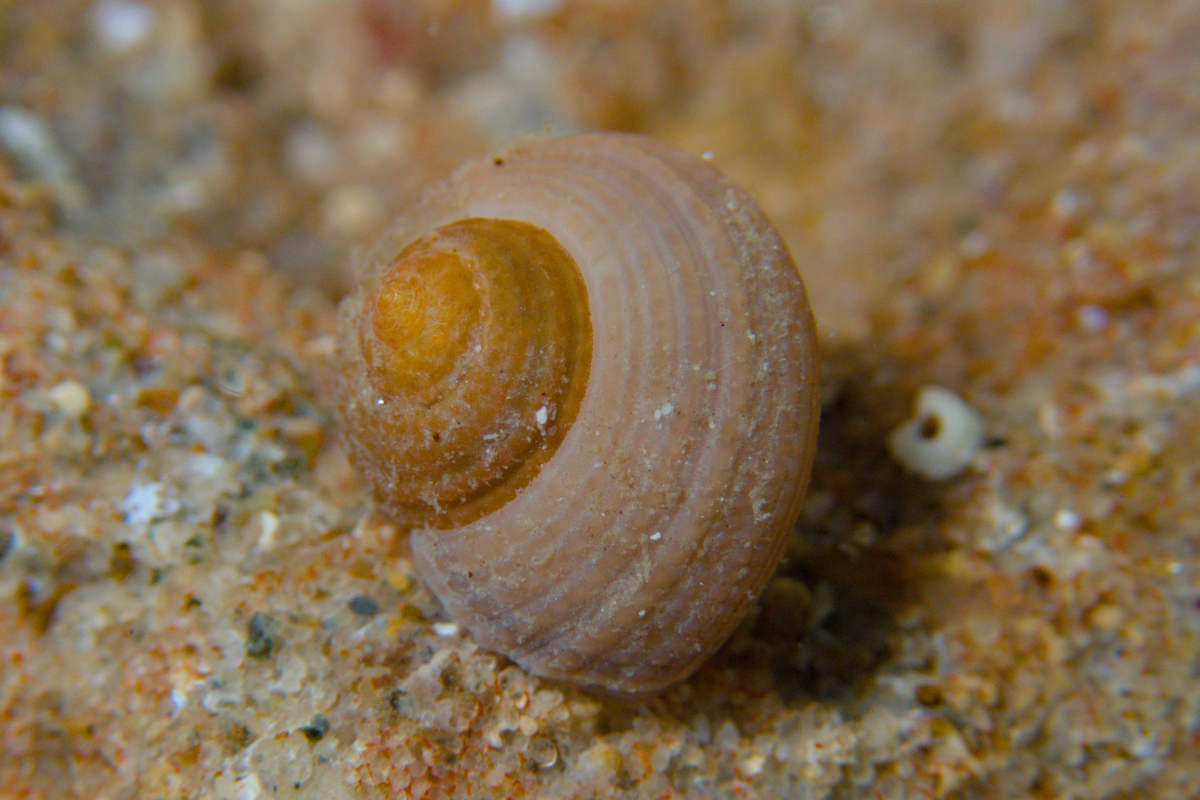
<point x="651" y="530"/>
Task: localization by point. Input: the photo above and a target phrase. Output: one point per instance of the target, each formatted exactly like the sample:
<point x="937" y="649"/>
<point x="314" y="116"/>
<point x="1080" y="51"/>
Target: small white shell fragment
<point x="148" y="503"/>
<point x="523" y="8"/>
<point x="248" y="787"/>
<point x="122" y="26"/>
<point x="72" y="398"/>
<point x="1067" y="520"/>
<point x="941" y="439"/>
<point x="270" y="525"/>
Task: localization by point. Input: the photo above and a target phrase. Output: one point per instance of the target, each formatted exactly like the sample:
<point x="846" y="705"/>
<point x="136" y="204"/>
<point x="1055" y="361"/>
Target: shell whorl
<point x="627" y="554"/>
<point x="477" y="340"/>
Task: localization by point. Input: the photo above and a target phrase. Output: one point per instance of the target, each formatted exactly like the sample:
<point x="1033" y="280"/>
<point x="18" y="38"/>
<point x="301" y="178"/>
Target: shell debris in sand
<point x="941" y="439"/>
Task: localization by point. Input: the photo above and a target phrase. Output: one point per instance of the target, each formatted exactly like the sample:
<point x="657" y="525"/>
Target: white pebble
<point x="248" y="787"/>
<point x="28" y="138"/>
<point x="148" y="503"/>
<point x="941" y="439"/>
<point x="72" y="398"/>
<point x="1067" y="520"/>
<point x="523" y="8"/>
<point x="22" y="131"/>
<point x="445" y="629"/>
<point x="312" y="154"/>
<point x="1003" y="525"/>
<point x="350" y="210"/>
<point x="269" y="525"/>
<point x="752" y="764"/>
<point x="122" y="26"/>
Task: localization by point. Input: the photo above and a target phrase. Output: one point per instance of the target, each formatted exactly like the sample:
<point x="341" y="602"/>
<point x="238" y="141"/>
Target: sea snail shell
<point x="583" y="375"/>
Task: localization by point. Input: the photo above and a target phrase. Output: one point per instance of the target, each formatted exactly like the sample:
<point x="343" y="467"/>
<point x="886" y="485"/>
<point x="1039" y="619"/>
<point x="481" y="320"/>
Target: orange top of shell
<point x="478" y="339"/>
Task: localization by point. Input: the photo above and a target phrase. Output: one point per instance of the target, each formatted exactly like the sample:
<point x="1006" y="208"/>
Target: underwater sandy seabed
<point x="1001" y="199"/>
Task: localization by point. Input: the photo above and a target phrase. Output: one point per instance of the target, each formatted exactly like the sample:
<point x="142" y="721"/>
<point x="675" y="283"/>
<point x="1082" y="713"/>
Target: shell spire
<point x="476" y="342"/>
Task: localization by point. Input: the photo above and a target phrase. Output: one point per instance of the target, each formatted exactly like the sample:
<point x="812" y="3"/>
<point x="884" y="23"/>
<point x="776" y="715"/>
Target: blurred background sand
<point x="999" y="198"/>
